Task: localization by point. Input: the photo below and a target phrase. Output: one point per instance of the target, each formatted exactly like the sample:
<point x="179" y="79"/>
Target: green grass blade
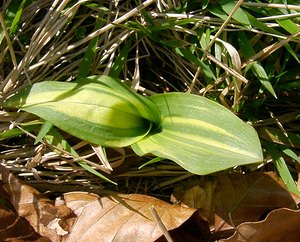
<point x="291" y="154"/>
<point x="217" y="12"/>
<point x="43" y="131"/>
<point x="89" y="55"/>
<point x="256" y="67"/>
<point x="245" y="45"/>
<point x="292" y="52"/>
<point x="15" y="132"/>
<point x="276" y="135"/>
<point x="152" y="161"/>
<point x="240" y="14"/>
<point x="283" y="170"/>
<point x="12" y="18"/>
<point x="16" y="20"/>
<point x="55" y="138"/>
<point x="288" y="25"/>
<point x="261" y="25"/>
<point x="120" y="61"/>
<point x="262" y="76"/>
<point x="194" y="59"/>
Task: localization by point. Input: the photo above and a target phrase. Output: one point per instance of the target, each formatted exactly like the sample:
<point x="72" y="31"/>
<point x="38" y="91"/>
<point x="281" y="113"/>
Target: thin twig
<point x="238" y="4"/>
<point x="107" y="27"/>
<point x="160" y="224"/>
<point x="272" y="5"/>
<point x="270" y="49"/>
<point x="223" y="26"/>
<point x="282" y="16"/>
<point x="225" y="67"/>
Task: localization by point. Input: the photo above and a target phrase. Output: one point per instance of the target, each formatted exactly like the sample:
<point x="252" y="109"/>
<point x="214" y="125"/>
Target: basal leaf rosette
<point x="200" y="135"/>
<point x="98" y="109"/>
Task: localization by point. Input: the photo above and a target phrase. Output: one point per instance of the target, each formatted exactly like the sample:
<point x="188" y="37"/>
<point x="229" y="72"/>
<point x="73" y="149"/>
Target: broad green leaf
<point x="200" y="135"/>
<point x="97" y="109"/>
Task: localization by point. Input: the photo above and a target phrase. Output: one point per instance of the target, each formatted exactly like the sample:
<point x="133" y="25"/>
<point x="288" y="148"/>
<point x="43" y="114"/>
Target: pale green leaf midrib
<point x="204" y="140"/>
<point x="190" y="124"/>
<point x="96" y="106"/>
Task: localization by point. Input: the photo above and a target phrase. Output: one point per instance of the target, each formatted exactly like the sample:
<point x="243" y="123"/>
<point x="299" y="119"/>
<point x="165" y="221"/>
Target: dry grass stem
<point x="272" y="5"/>
<point x="160" y="224"/>
<point x="267" y="51"/>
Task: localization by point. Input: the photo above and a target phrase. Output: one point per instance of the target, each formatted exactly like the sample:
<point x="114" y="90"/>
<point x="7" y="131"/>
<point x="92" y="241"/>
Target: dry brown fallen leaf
<point x="231" y="199"/>
<point x="12" y="226"/>
<point x="281" y="225"/>
<point x="80" y="216"/>
<point x="248" y="198"/>
<point x="121" y="217"/>
<point x="197" y="194"/>
<point x="45" y="218"/>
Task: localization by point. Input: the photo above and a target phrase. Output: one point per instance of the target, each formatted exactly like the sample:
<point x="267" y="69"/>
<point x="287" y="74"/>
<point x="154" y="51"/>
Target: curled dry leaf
<point x="45" y="218"/>
<point x="197" y="194"/>
<point x="121" y="217"/>
<point x="280" y="225"/>
<point x="249" y="198"/>
<point x="12" y="226"/>
<point x="232" y="199"/>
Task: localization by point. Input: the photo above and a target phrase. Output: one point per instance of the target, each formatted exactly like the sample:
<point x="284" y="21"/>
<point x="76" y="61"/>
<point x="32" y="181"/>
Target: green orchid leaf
<point x="100" y="110"/>
<point x="195" y="132"/>
<point x="200" y="135"/>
